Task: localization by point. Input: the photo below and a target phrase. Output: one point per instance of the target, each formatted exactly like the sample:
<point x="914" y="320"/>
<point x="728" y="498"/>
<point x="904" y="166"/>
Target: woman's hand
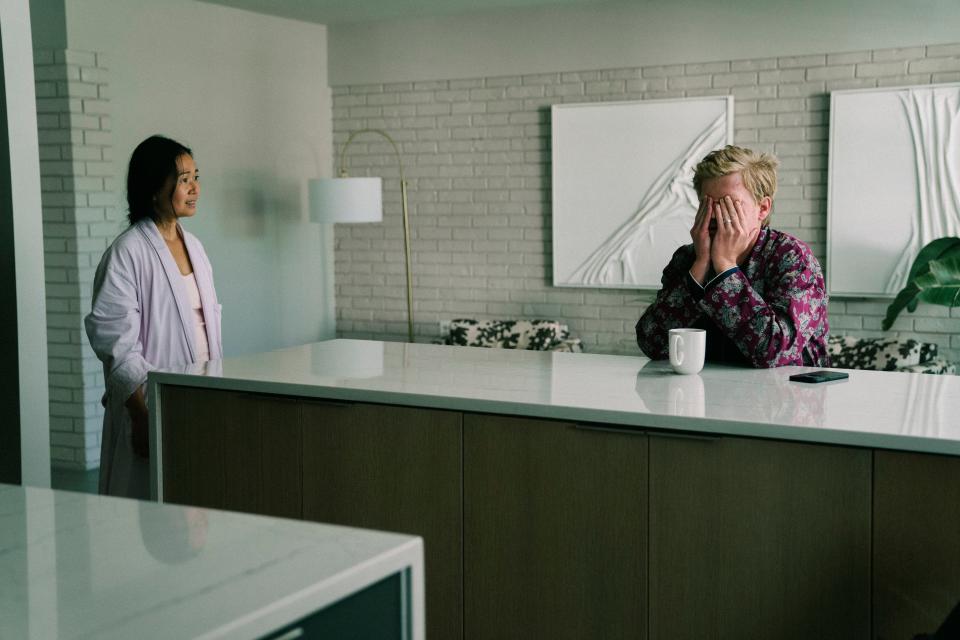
<point x="736" y="234"/>
<point x="139" y="423"/>
<point x="700" y="233"/>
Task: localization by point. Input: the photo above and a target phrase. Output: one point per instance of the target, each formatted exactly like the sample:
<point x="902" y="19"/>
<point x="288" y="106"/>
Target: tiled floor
<point x="71" y="480"/>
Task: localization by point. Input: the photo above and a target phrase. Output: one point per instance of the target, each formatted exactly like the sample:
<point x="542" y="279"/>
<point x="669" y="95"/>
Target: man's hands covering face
<point x="736" y="233"/>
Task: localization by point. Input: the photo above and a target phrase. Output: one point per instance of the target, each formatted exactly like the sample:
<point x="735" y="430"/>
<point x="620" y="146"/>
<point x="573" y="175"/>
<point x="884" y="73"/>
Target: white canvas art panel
<point x="894" y="183"/>
<point x="623" y="198"/>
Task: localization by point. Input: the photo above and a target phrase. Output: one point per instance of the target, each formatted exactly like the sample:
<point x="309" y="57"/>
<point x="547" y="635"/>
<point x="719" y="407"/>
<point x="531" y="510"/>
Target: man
<point x="758" y="292"/>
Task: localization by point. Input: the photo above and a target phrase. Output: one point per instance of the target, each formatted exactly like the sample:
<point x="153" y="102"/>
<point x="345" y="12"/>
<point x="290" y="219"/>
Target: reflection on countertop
<point x="778" y="401"/>
<point x="81" y="566"/>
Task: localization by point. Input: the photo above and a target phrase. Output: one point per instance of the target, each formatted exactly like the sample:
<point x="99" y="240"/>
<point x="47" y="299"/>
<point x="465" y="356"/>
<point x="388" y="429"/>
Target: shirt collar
<point x="754" y="258"/>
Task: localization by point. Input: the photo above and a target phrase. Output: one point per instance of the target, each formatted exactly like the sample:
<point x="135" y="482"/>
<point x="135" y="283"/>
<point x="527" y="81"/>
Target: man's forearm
<point x="763" y="327"/>
<point x="673" y="307"/>
<point x="699" y="270"/>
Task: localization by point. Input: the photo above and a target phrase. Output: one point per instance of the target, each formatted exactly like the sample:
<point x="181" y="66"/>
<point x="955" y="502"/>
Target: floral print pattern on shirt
<point x="774" y="309"/>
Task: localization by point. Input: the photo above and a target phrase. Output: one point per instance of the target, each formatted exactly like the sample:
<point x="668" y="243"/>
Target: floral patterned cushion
<point x="886" y="354"/>
<point x="928" y="351"/>
<point x="875" y="354"/>
<point x="938" y="366"/>
<point x="538" y="335"/>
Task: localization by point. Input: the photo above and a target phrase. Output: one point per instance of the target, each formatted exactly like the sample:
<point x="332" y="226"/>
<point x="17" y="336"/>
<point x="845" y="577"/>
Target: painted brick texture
<point x="78" y="202"/>
<point x="476" y="155"/>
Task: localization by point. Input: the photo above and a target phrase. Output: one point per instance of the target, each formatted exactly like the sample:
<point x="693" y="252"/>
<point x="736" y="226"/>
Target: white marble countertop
<point x="904" y="411"/>
<point x="80" y="566"/>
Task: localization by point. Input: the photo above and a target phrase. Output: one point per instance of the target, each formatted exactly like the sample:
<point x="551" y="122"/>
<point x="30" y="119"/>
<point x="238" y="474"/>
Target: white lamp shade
<point x="346" y="200"/>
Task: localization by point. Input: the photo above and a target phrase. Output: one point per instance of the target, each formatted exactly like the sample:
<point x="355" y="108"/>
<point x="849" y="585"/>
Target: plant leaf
<point x="938" y="249"/>
<point x="946" y="270"/>
<point x="906" y="297"/>
<point x="941" y="285"/>
<point x="921" y="285"/>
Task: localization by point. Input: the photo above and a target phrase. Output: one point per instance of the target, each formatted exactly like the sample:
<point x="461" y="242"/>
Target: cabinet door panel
<point x="555" y="527"/>
<point x="916" y="542"/>
<point x="394" y="469"/>
<point x="192" y="432"/>
<point x="229" y="450"/>
<point x="758" y="539"/>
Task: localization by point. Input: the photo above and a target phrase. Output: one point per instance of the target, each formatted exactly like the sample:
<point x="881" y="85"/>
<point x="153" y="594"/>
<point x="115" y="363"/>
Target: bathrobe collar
<point x="148" y="228"/>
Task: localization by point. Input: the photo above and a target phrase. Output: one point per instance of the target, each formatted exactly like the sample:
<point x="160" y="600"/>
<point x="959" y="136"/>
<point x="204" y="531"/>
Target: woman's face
<point x="179" y="197"/>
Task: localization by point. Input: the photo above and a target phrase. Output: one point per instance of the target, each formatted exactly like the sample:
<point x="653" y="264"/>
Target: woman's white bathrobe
<point x="142" y="320"/>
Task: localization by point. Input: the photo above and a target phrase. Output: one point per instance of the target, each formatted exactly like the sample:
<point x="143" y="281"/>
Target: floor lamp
<point x="346" y="199"/>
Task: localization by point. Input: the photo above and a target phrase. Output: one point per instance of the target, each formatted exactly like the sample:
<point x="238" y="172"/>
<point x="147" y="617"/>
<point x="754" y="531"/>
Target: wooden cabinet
<point x="916" y="540"/>
<point x="230" y="450"/>
<point x="395" y="469"/>
<point x="758" y="539"/>
<point x="555" y="530"/>
<point x="546" y="529"/>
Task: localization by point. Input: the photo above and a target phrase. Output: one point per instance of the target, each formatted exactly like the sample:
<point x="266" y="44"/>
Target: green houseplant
<point x="934" y="278"/>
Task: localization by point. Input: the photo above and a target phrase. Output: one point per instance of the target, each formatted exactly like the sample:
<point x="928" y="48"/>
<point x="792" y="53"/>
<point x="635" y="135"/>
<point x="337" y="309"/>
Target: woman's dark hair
<point x="152" y="163"/>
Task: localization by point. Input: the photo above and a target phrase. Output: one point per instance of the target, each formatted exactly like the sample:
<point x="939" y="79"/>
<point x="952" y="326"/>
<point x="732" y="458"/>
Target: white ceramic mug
<point x="688" y="347"/>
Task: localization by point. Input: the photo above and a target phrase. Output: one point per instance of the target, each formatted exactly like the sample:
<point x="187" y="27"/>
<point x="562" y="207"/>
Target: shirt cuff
<point x="720" y="277"/>
<point x="695" y="288"/>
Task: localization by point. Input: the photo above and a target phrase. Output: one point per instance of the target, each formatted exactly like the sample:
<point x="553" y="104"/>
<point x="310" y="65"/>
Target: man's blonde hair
<point x="758" y="170"/>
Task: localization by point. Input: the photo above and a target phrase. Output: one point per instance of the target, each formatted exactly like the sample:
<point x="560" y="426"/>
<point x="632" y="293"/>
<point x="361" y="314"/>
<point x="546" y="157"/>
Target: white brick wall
<point x="476" y="153"/>
<point x="78" y="200"/>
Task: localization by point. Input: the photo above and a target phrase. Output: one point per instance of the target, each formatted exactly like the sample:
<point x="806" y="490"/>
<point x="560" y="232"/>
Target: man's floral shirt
<point x="774" y="309"/>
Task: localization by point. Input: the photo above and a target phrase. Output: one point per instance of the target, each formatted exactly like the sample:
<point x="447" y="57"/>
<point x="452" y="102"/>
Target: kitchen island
<point x="578" y="495"/>
<point x="80" y="566"/>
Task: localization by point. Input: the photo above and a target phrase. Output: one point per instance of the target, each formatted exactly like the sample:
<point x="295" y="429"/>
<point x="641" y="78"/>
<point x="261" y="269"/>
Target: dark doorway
<point x="10" y="469"/>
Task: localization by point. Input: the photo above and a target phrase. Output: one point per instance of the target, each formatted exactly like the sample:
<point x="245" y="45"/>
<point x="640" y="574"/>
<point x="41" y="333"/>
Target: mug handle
<point x="676" y="349"/>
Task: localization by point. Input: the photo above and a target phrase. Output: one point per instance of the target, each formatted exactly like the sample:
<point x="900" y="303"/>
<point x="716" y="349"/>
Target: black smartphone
<point x="819" y="376"/>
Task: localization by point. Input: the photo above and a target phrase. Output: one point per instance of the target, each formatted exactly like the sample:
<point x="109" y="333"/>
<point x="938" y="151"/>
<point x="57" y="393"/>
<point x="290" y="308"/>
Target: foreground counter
<point x="82" y="566"/>
<point x="577" y="495"/>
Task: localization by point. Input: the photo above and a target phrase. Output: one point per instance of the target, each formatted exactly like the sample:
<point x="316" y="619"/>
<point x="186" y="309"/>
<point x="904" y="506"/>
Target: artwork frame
<point x="894" y="167"/>
<point x="641" y="205"/>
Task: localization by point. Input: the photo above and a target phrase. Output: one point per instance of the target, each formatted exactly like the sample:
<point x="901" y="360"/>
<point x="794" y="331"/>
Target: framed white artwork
<point x="894" y="183"/>
<point x="623" y="198"/>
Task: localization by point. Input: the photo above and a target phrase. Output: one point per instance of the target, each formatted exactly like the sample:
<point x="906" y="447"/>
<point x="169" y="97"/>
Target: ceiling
<point x="340" y="11"/>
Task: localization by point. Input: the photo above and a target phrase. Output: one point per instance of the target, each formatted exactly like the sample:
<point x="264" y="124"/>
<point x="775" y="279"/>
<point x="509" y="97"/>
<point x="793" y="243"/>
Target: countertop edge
<point x="641" y="421"/>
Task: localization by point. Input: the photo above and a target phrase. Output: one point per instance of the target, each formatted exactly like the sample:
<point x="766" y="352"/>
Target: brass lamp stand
<point x="346" y="199"/>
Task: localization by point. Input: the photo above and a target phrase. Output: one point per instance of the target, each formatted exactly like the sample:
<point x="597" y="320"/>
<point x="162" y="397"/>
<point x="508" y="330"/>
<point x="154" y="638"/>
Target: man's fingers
<point x="738" y="206"/>
<point x="707" y="215"/>
<point x="728" y="212"/>
<point x="722" y="226"/>
<point x="737" y="219"/>
<point x="747" y="224"/>
<point x="730" y="220"/>
<point x="702" y="212"/>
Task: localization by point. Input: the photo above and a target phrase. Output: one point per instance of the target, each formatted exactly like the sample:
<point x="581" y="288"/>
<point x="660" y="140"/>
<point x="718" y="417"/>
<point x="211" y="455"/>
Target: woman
<point x="154" y="305"/>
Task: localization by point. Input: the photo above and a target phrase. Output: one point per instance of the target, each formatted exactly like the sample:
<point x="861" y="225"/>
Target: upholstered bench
<point x="887" y="354"/>
<point x="537" y="335"/>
